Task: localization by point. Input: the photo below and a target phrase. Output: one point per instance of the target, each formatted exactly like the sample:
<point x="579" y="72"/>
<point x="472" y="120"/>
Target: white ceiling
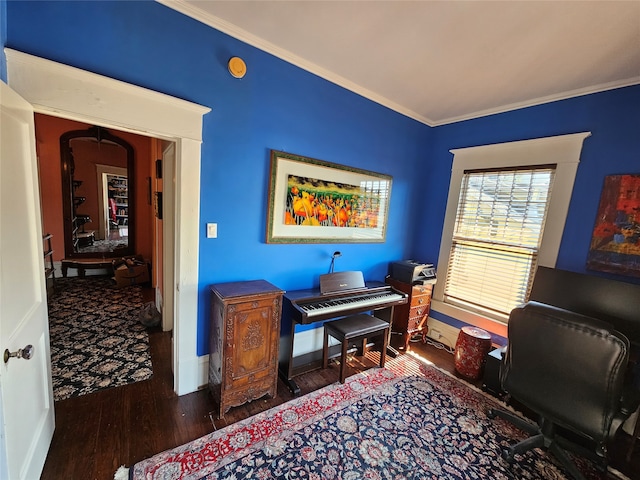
<point x="443" y="61"/>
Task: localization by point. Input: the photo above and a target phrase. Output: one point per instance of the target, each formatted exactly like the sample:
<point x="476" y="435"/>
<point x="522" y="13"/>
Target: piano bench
<point x="352" y="328"/>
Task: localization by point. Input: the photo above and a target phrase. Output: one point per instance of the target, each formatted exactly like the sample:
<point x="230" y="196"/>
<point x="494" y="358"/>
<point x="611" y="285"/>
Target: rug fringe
<point x="121" y="474"/>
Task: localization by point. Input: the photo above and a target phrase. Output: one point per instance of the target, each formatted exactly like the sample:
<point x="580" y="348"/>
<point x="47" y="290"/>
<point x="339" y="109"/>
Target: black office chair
<point x="568" y="369"/>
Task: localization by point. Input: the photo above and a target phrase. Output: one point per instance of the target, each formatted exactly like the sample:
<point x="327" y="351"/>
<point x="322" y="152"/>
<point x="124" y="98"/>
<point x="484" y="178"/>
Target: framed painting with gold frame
<point x="314" y="201"/>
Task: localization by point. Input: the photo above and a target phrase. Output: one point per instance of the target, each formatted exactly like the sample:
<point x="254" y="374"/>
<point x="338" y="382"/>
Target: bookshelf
<point x="119" y="192"/>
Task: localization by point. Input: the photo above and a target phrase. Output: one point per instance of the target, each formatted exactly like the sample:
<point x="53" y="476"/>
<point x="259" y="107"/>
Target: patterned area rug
<point x="407" y="421"/>
<point x="97" y="341"/>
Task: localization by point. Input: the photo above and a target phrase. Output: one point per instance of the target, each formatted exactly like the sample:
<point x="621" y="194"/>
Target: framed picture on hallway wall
<point x="314" y="201"/>
<point x="615" y="243"/>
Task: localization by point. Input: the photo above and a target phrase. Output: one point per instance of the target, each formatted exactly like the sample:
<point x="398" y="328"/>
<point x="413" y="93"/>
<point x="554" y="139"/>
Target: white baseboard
<point x="310" y="341"/>
<point x="159" y="304"/>
<point x="203" y="369"/>
<point x="193" y="375"/>
<point x="304" y="342"/>
<point x="57" y="269"/>
<point x="442" y="332"/>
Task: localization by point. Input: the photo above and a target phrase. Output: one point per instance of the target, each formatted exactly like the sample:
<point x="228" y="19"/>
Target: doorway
<point x="97" y="339"/>
<point x="96" y="182"/>
<point x="63" y="91"/>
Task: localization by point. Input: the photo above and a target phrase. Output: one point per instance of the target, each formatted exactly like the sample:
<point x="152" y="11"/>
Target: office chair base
<point x="514" y="419"/>
<point x="543" y="437"/>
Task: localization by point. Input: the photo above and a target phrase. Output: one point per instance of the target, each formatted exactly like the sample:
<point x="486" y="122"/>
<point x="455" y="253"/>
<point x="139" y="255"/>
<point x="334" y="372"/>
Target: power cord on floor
<point x="440" y="345"/>
<point x="433" y="343"/>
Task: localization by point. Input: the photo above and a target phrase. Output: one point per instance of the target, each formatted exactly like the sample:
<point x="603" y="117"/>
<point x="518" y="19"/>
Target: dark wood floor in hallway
<point x="97" y="433"/>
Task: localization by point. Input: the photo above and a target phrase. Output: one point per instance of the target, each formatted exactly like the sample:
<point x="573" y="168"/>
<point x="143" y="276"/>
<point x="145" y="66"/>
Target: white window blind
<point x="497" y="236"/>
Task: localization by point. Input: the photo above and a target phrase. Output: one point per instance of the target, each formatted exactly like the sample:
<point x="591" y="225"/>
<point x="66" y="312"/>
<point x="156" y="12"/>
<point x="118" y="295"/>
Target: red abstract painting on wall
<point x="615" y="244"/>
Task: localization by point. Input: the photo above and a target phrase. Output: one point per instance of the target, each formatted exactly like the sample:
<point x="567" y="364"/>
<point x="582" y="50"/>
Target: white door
<point x="26" y="396"/>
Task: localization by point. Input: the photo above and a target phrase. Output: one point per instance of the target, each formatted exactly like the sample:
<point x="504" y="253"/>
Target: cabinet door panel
<point x="254" y="353"/>
<point x="252" y="349"/>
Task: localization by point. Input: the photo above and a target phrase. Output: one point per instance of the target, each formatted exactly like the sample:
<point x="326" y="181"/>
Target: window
<point x="498" y="228"/>
<point x="505" y="215"/>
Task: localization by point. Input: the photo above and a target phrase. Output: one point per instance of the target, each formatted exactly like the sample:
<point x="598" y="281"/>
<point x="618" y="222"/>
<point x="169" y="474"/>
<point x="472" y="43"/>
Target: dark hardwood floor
<point x="97" y="433"/>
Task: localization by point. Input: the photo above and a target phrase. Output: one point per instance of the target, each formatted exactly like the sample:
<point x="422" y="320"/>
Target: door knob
<point x="26" y="353"/>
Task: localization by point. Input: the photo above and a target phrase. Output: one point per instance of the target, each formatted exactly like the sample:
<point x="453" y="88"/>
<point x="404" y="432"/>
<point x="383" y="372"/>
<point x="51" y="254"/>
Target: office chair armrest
<point x="630" y="400"/>
<point x="631" y="394"/>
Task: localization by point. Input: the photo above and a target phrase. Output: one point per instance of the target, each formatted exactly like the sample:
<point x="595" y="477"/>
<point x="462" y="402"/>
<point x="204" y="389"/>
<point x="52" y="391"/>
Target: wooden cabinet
<point x="243" y="342"/>
<point x="411" y="318"/>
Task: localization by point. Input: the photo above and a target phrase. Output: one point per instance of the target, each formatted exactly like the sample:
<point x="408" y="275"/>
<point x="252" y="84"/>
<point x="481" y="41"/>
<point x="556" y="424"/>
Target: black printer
<point x="410" y="271"/>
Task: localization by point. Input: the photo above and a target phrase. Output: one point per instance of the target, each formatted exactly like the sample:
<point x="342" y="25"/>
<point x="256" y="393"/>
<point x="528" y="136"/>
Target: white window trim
<point x="562" y="150"/>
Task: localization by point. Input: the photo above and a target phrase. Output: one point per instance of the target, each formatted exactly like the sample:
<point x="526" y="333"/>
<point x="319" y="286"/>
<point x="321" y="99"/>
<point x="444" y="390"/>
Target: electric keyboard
<point x="305" y="307"/>
<point x="347" y="304"/>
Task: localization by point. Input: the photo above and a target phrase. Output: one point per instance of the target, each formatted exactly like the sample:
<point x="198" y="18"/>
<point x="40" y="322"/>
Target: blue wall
<point x="612" y="117"/>
<point x="276" y="106"/>
<point x="279" y="106"/>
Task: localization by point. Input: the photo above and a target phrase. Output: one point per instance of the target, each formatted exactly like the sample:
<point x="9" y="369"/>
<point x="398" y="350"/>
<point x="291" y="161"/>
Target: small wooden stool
<point x="472" y="347"/>
<point x="349" y="329"/>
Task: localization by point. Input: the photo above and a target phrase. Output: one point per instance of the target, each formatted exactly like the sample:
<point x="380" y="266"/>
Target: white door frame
<point x="168" y="227"/>
<point x="63" y="91"/>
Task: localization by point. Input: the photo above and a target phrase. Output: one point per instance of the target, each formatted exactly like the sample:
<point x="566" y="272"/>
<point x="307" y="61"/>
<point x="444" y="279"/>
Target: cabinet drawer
<point x="421" y="290"/>
<point x="249" y="392"/>
<point x="420" y="300"/>
<point x="417" y="322"/>
<point x="418" y="316"/>
<point x="419" y="311"/>
<point x="241" y="379"/>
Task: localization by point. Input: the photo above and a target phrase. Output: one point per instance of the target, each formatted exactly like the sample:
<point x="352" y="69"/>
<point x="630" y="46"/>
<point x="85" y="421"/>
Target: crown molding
<point x="603" y="87"/>
<point x="234" y="31"/>
<point x="255" y="41"/>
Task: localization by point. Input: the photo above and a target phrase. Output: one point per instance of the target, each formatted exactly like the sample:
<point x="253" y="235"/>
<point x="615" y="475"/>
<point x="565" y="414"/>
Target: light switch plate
<point x="212" y="230"/>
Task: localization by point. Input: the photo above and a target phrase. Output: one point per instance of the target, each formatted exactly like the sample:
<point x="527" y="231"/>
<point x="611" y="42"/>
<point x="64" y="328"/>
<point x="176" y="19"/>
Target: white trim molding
<point x="562" y="150"/>
<point x="580" y="92"/>
<point x="192" y="10"/>
<point x="68" y="92"/>
<point x="64" y="91"/>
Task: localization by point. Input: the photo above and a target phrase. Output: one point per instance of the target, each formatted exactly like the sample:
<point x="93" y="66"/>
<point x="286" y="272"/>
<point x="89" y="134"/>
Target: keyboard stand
<point x="290" y="366"/>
